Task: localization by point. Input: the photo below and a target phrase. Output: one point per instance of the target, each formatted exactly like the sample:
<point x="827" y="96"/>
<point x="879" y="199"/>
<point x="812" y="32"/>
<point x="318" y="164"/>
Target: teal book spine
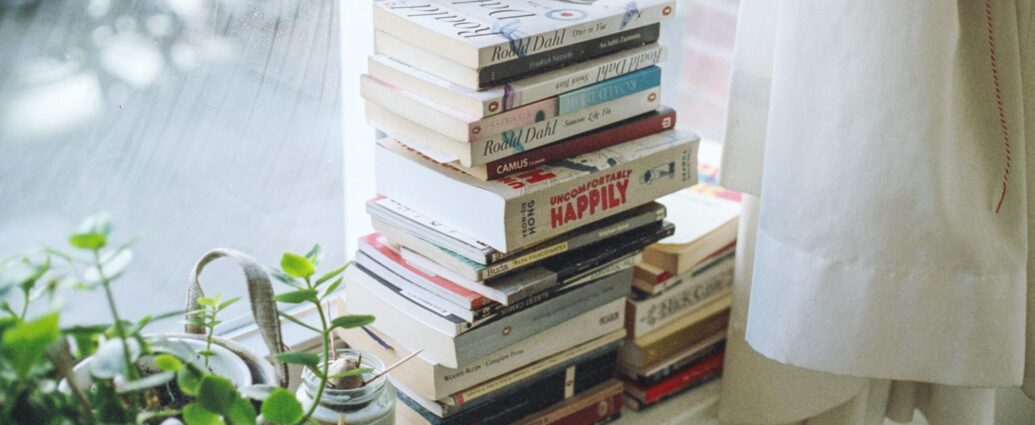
<point x="608" y="90"/>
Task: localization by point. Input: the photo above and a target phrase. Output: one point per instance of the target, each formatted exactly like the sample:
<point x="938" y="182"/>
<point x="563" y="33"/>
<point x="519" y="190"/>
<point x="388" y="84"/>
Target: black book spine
<point x="494" y="75"/>
<point x="538" y="396"/>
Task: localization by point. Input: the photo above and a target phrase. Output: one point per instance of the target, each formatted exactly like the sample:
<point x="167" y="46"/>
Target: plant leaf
<point x="282" y="408"/>
<point x="297" y="296"/>
<point x="99" y="222"/>
<point x="352" y="321"/>
<point x="330" y="289"/>
<point x="351" y="372"/>
<point x="282" y="277"/>
<point x="315" y="255"/>
<point x="227" y="303"/>
<point x="168" y="363"/>
<point x="241" y="413"/>
<point x="216" y="394"/>
<point x="149" y="381"/>
<point x="300" y="357"/>
<point x="296" y="265"/>
<point x="189" y="380"/>
<point x="25" y="344"/>
<point x="207" y="302"/>
<point x="330" y="275"/>
<point x="89" y="241"/>
<point x="196" y="414"/>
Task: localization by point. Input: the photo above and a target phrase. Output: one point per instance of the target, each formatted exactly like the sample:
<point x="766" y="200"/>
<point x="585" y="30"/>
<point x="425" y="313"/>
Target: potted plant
<point x="118" y="374"/>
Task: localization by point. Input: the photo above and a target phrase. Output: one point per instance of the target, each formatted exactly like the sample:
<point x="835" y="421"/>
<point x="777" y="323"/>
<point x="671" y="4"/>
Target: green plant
<point x="210" y="308"/>
<point x="298" y="271"/>
<point x="36" y="353"/>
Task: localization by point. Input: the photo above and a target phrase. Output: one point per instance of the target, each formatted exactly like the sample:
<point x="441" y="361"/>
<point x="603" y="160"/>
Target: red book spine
<point x="635" y="128"/>
<point x="592" y="414"/>
<point x="687" y="377"/>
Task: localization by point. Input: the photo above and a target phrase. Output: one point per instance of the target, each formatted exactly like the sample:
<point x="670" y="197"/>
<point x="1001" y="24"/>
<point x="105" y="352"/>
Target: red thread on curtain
<point x="999" y="103"/>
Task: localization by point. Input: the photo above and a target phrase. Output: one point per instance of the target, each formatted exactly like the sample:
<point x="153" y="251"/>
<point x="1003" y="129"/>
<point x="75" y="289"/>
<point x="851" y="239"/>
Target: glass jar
<point x="372" y="404"/>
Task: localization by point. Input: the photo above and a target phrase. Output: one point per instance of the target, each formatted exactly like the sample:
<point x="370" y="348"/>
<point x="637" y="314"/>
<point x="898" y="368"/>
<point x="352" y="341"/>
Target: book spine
<point x="649" y="314"/>
<point x="600" y="233"/>
<point x="690" y="376"/>
<point x="497" y="335"/>
<point x="484" y="251"/>
<point x="583" y="328"/>
<point x="614" y="134"/>
<point x="429" y="313"/>
<point x="418" y="293"/>
<point x="537" y="215"/>
<point x="660" y="349"/>
<point x="500" y="73"/>
<point x="563" y="126"/>
<point x="679" y="365"/>
<point x="520" y="379"/>
<point x="594" y="406"/>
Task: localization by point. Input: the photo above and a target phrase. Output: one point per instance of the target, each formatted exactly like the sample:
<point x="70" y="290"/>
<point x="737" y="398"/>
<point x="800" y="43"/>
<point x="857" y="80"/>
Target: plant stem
<point x="119" y="329"/>
<point x="325" y="332"/>
<point x="25" y="307"/>
<point x="208" y="340"/>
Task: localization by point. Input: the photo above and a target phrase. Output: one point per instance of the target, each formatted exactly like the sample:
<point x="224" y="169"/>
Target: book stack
<point x="523" y="147"/>
<point x="678" y="309"/>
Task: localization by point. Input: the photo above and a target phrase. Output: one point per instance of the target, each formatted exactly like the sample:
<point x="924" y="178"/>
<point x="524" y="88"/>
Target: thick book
<point x="446" y="120"/>
<point x="676" y="336"/>
<point x="542" y="203"/>
<point x="420" y="294"/>
<point x="435" y="381"/>
<point x="640" y="397"/>
<point x="515" y="381"/>
<point x="451" y="247"/>
<point x="617" y="133"/>
<point x="477" y="34"/>
<point x="597" y="405"/>
<point x="444" y="148"/>
<point x="654" y="373"/>
<point x="376" y="250"/>
<point x="515" y="94"/>
<point x="650" y="280"/>
<point x="550" y="389"/>
<point x="712" y="214"/>
<point x="647" y="313"/>
<point x="549" y="272"/>
<point x="417" y="327"/>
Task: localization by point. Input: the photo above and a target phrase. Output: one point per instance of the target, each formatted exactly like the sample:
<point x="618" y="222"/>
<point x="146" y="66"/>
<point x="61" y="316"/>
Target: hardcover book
<point x="396" y="220"/>
<point x="649" y="280"/>
<point x="466" y="128"/>
<point x="502" y="145"/>
<point x="477" y="34"/>
<point x="671" y="365"/>
<point x="435" y="381"/>
<point x="534" y="206"/>
<point x="416" y="326"/>
<point x="518" y="93"/>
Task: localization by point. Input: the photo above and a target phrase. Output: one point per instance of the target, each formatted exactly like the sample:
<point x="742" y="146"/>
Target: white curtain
<point x="886" y="150"/>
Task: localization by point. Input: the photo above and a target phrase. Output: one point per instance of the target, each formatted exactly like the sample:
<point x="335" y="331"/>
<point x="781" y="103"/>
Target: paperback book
<point x="454" y="124"/>
<point x="598" y="405"/>
<point x="397" y="221"/>
<point x="534" y="206"/>
<point x="715" y="212"/>
<point x="647" y="313"/>
<point x="640" y="397"/>
<point x="673" y="337"/>
<point x="518" y="93"/>
<point x="650" y="280"/>
<point x="417" y="326"/>
<point x="444" y="148"/>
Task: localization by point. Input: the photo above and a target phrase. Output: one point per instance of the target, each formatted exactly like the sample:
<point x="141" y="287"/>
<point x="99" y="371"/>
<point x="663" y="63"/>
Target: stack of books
<point x="678" y="309"/>
<point x="523" y="147"/>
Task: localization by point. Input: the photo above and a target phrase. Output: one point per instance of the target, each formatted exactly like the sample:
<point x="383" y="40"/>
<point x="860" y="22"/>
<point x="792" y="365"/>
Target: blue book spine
<point x="608" y="90"/>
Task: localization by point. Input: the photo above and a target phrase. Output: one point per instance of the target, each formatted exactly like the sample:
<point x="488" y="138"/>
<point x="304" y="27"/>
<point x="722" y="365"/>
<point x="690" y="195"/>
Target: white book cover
<point x="478" y="33"/>
<point x="523" y="209"/>
<point x="518" y="93"/>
